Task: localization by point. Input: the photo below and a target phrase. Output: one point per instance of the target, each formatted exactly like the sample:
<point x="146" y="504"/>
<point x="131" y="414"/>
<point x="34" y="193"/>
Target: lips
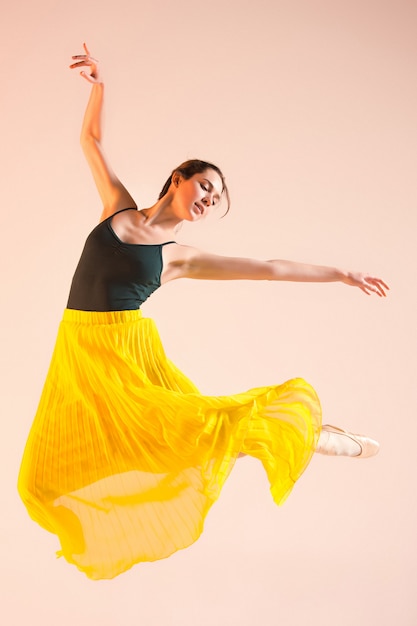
<point x="199" y="207"/>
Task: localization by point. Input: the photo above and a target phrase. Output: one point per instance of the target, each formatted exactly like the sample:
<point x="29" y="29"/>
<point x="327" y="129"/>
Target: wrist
<point x="343" y="276"/>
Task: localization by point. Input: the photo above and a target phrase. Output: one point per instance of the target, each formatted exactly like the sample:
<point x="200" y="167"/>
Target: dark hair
<point x="194" y="166"/>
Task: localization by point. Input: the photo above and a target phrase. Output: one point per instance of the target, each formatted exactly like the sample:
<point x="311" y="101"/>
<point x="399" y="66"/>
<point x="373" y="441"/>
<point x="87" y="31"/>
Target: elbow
<point x="273" y="270"/>
<point x="87" y="140"/>
<point x="89" y="145"/>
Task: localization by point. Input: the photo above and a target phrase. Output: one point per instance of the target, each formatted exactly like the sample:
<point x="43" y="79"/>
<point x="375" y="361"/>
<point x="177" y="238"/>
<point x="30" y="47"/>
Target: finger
<point x="80" y="64"/>
<point x="89" y="53"/>
<point x="378" y="285"/>
<point x="379" y="281"/>
<point x="86" y="57"/>
<point x="90" y="79"/>
<point x="378" y="288"/>
<point x="369" y="289"/>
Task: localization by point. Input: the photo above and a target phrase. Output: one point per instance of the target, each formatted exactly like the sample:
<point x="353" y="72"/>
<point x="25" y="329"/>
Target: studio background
<point x="309" y="108"/>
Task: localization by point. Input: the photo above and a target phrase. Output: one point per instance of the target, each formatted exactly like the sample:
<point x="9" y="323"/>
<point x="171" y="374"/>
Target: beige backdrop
<point x="310" y="108"/>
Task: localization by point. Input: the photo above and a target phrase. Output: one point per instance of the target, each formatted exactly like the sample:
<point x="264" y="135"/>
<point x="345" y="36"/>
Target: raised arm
<point x="193" y="263"/>
<point x="112" y="192"/>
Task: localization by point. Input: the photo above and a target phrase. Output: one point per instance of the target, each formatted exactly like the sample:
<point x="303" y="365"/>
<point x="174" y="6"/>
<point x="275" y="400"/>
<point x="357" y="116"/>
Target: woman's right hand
<point x="86" y="60"/>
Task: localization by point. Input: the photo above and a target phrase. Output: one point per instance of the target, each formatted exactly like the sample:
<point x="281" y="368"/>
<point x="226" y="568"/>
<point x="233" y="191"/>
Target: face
<point x="197" y="196"/>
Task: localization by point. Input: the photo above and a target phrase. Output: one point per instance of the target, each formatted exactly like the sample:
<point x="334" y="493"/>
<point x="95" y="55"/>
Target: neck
<point x="162" y="214"/>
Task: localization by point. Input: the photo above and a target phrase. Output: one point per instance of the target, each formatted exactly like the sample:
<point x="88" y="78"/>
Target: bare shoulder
<point x="124" y="223"/>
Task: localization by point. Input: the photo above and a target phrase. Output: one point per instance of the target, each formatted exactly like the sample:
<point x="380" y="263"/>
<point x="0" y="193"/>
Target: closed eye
<point x="210" y="188"/>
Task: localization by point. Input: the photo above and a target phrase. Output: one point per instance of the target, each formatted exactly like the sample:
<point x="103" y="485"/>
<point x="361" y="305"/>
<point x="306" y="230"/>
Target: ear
<point x="176" y="179"/>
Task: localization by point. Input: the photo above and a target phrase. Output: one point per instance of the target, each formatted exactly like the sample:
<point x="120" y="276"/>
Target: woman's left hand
<point x="368" y="284"/>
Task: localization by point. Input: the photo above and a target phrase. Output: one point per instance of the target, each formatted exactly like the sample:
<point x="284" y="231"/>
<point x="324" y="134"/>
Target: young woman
<point x="125" y="456"/>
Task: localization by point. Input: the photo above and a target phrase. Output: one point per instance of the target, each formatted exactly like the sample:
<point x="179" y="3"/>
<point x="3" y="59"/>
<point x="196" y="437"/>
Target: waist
<point x="102" y="317"/>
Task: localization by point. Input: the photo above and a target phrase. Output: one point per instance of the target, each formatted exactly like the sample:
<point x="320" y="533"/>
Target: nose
<point x="208" y="199"/>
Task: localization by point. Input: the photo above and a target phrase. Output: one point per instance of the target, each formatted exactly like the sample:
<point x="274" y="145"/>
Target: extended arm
<point x="193" y="263"/>
<point x="113" y="194"/>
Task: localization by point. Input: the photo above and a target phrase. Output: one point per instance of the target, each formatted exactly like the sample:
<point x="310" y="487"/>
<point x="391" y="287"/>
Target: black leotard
<point x="112" y="275"/>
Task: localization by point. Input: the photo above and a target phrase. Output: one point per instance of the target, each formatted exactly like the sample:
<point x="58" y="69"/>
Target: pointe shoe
<point x="369" y="447"/>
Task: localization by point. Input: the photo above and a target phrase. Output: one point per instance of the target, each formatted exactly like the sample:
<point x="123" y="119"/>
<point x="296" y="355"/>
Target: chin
<point x="193" y="216"/>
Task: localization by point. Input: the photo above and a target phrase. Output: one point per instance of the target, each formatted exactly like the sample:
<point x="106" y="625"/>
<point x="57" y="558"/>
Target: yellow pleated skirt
<point x="125" y="457"/>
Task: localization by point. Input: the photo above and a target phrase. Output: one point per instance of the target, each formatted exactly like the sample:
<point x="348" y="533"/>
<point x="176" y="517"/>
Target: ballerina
<point x="125" y="456"/>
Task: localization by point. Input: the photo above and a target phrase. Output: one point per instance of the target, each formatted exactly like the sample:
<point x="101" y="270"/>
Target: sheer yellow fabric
<point x="125" y="457"/>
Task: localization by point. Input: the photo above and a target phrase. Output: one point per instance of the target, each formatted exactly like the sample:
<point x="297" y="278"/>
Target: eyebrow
<point x="211" y="187"/>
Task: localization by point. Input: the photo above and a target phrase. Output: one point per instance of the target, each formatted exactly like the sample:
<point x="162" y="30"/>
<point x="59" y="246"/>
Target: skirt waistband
<point x="102" y="317"/>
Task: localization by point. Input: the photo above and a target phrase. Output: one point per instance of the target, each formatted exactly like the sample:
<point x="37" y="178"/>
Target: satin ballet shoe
<point x="369" y="447"/>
